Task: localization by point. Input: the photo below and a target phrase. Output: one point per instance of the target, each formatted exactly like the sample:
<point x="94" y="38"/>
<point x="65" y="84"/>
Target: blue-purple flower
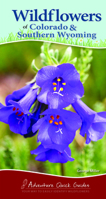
<point x="93" y="124"/>
<point x="18" y="94"/>
<point x="60" y="86"/>
<point x="57" y="127"/>
<point x="17" y="114"/>
<point x="52" y="155"/>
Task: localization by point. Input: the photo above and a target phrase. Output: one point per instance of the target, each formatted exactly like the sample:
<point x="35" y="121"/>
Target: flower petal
<point x="5" y="112"/>
<point x="26" y="124"/>
<point x="70" y="73"/>
<point x="67" y="153"/>
<point x="37" y="125"/>
<point x="61" y="136"/>
<point x="17" y="95"/>
<point x="99" y="126"/>
<point x="82" y="109"/>
<point x="15" y="124"/>
<point x="52" y="155"/>
<point x="83" y="129"/>
<point x="43" y="136"/>
<point x="55" y="157"/>
<point x="100" y="117"/>
<point x="41" y="157"/>
<point x="1" y="105"/>
<point x="40" y="149"/>
<point x="65" y="98"/>
<point x="94" y="134"/>
<point x="26" y="102"/>
<point x="102" y="114"/>
<point x="71" y="94"/>
<point x="47" y="73"/>
<point x="72" y="121"/>
<point x="88" y="140"/>
<point x="56" y="101"/>
<point x="42" y="97"/>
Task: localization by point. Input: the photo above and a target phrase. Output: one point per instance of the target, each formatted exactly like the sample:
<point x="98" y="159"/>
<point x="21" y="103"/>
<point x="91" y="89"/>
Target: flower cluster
<point x="39" y="108"/>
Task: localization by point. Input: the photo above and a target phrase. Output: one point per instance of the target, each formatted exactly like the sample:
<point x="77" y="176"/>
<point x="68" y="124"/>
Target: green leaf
<point x="73" y="61"/>
<point x="51" y="53"/>
<point x="84" y="77"/>
<point x="87" y="67"/>
<point x="90" y="53"/>
<point x="55" y="61"/>
<point x="56" y="54"/>
<point x="34" y="67"/>
<point x="83" y="64"/>
<point x="66" y="56"/>
<point x="42" y="55"/>
<point x="46" y="54"/>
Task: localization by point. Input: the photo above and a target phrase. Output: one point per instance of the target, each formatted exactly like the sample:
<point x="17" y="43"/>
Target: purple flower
<point x="17" y="114"/>
<point x="60" y="85"/>
<point x="52" y="155"/>
<point x="18" y="94"/>
<point x="93" y="124"/>
<point x="57" y="127"/>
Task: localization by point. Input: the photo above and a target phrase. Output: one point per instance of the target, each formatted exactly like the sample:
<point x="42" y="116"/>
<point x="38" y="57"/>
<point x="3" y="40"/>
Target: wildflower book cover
<point x="52" y="99"/>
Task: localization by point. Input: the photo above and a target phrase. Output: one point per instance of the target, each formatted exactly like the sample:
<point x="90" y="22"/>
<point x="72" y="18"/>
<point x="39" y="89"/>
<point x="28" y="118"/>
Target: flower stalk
<point x="62" y="168"/>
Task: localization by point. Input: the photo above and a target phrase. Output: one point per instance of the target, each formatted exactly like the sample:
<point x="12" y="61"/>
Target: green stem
<point x="62" y="169"/>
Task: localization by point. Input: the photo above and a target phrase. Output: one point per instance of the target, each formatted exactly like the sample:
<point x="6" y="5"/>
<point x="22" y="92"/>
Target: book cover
<point x="52" y="98"/>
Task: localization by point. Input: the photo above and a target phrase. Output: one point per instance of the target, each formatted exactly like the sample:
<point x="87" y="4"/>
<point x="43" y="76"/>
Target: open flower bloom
<point x="17" y="114"/>
<point x="93" y="124"/>
<point x="60" y="86"/>
<point x="52" y="155"/>
<point x="57" y="127"/>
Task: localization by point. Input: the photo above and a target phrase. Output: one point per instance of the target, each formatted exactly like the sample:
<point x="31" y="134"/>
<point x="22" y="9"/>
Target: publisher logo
<point x="25" y="182"/>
